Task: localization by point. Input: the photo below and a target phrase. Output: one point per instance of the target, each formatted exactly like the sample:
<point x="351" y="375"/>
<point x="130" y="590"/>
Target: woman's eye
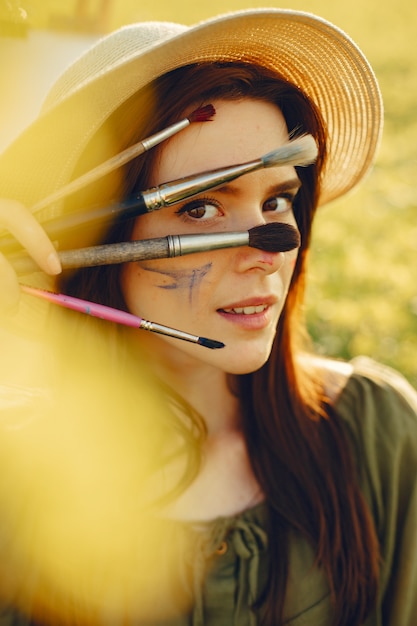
<point x="278" y="204"/>
<point x="200" y="209"/>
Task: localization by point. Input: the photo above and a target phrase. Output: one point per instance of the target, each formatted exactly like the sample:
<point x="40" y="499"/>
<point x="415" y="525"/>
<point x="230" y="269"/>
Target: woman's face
<point x="233" y="295"/>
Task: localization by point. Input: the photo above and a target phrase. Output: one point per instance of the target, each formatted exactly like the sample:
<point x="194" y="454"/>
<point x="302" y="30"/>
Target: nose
<point x="250" y="258"/>
<point x="253" y="259"/>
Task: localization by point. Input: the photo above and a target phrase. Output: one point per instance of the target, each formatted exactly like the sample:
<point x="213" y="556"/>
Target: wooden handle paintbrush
<point x="275" y="237"/>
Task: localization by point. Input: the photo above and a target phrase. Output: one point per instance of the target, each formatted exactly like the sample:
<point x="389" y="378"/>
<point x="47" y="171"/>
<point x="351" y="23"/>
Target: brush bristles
<point x="210" y="343"/>
<point x="301" y="151"/>
<point x="278" y="237"/>
<point x="203" y="114"/>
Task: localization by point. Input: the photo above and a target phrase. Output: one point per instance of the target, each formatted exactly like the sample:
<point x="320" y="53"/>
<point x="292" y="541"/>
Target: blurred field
<point x="362" y="296"/>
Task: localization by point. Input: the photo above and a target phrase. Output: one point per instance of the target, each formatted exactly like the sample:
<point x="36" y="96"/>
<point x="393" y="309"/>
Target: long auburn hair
<point x="297" y="445"/>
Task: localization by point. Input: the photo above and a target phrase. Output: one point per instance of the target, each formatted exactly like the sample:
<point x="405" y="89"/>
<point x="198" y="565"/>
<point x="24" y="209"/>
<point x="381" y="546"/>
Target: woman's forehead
<point x="240" y="131"/>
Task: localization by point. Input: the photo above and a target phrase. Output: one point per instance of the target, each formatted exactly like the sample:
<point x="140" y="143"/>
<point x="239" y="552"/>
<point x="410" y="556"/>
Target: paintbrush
<point x="116" y="315"/>
<point x="202" y="114"/>
<point x="301" y="152"/>
<point x="275" y="237"/>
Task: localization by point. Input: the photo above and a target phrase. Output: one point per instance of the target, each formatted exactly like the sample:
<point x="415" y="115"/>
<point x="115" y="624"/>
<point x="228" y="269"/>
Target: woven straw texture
<point x="300" y="47"/>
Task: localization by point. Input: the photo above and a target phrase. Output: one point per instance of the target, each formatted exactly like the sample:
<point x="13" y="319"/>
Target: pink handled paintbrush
<point x="115" y="315"/>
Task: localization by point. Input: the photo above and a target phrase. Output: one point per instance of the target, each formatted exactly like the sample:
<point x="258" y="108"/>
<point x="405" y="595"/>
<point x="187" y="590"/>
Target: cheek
<point x="182" y="283"/>
<point x="290" y="261"/>
<point x="142" y="228"/>
<point x="288" y="268"/>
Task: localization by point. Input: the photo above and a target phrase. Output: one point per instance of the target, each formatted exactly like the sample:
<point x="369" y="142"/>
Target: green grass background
<point x="362" y="295"/>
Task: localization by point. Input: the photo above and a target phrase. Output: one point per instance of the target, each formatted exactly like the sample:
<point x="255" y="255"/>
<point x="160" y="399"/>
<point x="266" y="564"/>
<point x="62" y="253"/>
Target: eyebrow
<point x="292" y="184"/>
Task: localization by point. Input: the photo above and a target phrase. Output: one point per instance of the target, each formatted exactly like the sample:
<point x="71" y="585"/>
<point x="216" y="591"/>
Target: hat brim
<point x="299" y="47"/>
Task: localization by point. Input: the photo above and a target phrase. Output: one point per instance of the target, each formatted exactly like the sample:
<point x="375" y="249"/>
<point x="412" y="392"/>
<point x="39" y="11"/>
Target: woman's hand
<point x="20" y="222"/>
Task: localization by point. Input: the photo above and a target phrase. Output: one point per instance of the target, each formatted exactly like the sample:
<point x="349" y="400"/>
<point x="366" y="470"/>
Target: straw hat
<point x="300" y="47"/>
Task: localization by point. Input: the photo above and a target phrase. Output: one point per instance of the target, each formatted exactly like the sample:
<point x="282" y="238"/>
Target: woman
<point x="301" y="507"/>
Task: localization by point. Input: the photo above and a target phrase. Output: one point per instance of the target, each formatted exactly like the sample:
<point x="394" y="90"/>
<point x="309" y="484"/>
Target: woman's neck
<point x="204" y="387"/>
<point x="225" y="484"/>
<point x="207" y="390"/>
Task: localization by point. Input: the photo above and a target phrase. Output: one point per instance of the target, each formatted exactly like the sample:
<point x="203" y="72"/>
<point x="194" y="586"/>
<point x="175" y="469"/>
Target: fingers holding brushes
<point x="19" y="221"/>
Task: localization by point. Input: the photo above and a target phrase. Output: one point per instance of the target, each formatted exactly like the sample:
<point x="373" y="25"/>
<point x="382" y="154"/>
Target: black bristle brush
<point x="275" y="237"/>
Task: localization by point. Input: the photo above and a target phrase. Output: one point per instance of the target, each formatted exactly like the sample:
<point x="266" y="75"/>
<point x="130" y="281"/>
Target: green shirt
<point x="224" y="562"/>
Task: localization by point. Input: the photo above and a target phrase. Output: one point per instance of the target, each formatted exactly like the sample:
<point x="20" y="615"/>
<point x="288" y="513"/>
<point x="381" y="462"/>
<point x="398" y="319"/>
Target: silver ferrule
<point x="164" y="134"/>
<point x="188" y="244"/>
<point x="183" y="188"/>
<point x="145" y="325"/>
<point x="153" y="199"/>
<point x="166" y="330"/>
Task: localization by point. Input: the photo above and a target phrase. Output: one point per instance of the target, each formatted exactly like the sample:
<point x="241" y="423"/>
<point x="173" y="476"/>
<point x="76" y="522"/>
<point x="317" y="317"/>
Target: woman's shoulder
<point x="378" y="408"/>
<point x="371" y="389"/>
<point x="366" y="382"/>
<point x="376" y="404"/>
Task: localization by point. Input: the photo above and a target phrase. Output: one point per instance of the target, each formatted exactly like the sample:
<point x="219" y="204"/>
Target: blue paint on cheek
<point x="183" y="279"/>
<point x="196" y="277"/>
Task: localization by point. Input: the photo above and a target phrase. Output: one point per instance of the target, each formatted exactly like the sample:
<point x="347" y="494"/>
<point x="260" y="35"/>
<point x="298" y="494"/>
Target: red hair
<point x="297" y="445"/>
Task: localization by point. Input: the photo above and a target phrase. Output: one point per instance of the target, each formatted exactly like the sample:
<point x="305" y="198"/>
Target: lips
<point x="250" y="306"/>
<point x="250" y="314"/>
<point x="246" y="310"/>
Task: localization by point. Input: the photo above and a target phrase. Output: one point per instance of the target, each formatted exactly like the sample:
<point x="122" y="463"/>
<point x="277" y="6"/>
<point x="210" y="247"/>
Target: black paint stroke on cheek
<point x="182" y="279"/>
